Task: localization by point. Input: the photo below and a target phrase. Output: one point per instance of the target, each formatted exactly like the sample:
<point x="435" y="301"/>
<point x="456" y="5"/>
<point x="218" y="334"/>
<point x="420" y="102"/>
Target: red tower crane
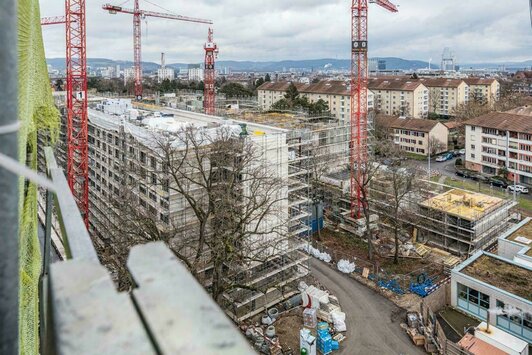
<point x="359" y="97"/>
<point x="139" y="14"/>
<point x="211" y="51"/>
<point x="76" y="97"/>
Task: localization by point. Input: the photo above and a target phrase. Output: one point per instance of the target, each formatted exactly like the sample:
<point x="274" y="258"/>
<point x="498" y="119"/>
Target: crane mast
<point x="76" y="96"/>
<point x="211" y="50"/>
<point x="358" y="149"/>
<point x="138" y="15"/>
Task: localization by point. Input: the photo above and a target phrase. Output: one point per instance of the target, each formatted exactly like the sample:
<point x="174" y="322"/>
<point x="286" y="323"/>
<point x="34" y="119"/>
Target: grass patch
<point x="416" y="156"/>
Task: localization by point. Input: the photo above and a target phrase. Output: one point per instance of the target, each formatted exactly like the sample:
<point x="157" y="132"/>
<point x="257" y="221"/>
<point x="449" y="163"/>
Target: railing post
<point x="9" y="194"/>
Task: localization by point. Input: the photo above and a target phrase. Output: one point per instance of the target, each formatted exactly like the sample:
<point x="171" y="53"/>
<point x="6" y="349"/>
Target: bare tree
<point x="435" y="146"/>
<point x="434" y="100"/>
<point x="227" y="207"/>
<point x="363" y="178"/>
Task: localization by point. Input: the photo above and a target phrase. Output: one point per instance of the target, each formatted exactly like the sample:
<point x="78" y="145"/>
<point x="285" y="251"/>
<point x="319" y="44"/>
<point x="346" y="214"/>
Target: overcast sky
<point x="262" y="30"/>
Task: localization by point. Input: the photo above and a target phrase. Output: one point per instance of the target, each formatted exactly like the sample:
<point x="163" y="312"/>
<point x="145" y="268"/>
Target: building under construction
<point x="455" y="220"/>
<point x="123" y="156"/>
<point x="461" y="221"/>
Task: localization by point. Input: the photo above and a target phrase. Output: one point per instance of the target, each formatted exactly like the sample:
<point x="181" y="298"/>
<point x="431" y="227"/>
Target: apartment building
<point x="335" y="93"/>
<point x="400" y="96"/>
<point x="414" y="135"/>
<point x="445" y="94"/>
<point x="500" y="139"/>
<point x="486" y="91"/>
<point x="123" y="156"/>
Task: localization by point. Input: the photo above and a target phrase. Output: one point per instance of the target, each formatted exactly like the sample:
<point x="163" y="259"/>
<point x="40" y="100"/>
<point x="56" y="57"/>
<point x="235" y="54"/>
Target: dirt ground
<point x="343" y="244"/>
<point x="287" y="328"/>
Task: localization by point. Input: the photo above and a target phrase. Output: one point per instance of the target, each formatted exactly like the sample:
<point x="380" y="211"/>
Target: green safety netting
<point x="36" y="112"/>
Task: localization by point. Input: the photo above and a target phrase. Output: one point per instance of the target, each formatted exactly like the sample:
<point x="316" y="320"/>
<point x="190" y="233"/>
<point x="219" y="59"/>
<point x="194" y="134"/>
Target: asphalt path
<point x="373" y="322"/>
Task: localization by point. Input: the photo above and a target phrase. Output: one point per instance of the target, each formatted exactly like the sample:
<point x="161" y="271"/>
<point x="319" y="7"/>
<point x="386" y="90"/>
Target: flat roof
<point x="464" y="204"/>
<point x="500" y="273"/>
<point x="478" y="347"/>
<point x="523" y="236"/>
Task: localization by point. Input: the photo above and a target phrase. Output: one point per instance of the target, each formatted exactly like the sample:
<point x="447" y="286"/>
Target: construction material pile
<point x="320" y="305"/>
<point x="323" y="256"/>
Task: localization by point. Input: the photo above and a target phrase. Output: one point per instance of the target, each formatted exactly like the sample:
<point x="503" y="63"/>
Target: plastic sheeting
<point x="323" y="256"/>
<point x="345" y="266"/>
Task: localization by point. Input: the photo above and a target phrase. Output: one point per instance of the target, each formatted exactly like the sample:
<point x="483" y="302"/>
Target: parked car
<point x="462" y="151"/>
<point x="461" y="173"/>
<point x="479" y="177"/>
<point x="518" y="188"/>
<point x="498" y="182"/>
<point x="444" y="157"/>
<point x="468" y="174"/>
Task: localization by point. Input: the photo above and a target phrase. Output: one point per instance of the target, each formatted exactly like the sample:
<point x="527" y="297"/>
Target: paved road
<point x="370" y="329"/>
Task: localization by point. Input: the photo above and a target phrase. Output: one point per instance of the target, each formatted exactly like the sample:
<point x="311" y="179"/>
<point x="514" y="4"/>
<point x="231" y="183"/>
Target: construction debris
<point x="345" y="266"/>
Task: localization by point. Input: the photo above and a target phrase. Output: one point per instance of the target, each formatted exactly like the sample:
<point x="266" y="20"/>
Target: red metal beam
<point x="138" y="14"/>
<point x="211" y="50"/>
<point x="76" y="85"/>
<point x="358" y="143"/>
<point x="54" y="20"/>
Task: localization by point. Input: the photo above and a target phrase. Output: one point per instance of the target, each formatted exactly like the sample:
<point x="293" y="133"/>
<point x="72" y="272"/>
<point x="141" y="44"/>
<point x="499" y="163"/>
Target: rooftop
<point x="522" y="110"/>
<point x="503" y="121"/>
<point x="523" y="236"/>
<point x="401" y="83"/>
<point x="464" y="204"/>
<point x="414" y="124"/>
<point x="478" y="347"/>
<point x="501" y="274"/>
<point x="478" y="81"/>
<point x="441" y="82"/>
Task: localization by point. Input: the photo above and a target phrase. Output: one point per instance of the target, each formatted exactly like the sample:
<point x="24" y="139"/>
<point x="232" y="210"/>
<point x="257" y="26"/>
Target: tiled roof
<point x="479" y="81"/>
<point x="441" y="82"/>
<point x="403" y="84"/>
<point x="503" y="121"/>
<point x="414" y="124"/>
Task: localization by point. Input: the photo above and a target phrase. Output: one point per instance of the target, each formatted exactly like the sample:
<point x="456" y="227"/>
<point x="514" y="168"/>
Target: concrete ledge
<point x="89" y="316"/>
<point x="181" y="316"/>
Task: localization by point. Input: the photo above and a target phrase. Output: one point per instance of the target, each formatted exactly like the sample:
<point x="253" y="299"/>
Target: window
<point x="472" y="146"/>
<point x="473" y="301"/>
<point x="514" y="320"/>
<point x="142" y="189"/>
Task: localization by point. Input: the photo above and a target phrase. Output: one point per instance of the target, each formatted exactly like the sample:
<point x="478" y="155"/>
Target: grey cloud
<point x="298" y="29"/>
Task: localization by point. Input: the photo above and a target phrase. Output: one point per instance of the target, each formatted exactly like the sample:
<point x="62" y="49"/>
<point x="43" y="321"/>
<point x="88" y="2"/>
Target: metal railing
<point x="81" y="311"/>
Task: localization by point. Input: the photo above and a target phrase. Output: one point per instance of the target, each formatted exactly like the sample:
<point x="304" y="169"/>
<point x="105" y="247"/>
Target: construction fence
<point x="422" y="281"/>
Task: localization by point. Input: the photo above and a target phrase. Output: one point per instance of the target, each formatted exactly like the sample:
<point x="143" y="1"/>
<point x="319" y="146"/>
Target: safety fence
<point x="422" y="281"/>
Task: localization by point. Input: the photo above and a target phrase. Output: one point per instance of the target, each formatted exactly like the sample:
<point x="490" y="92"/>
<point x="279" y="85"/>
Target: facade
<point x="335" y="93"/>
<point x="116" y="142"/>
<point x="129" y="74"/>
<point x="485" y="91"/>
<point x="400" y="96"/>
<point x="495" y="290"/>
<point x="414" y="135"/>
<point x="195" y="74"/>
<point x="497" y="140"/>
<point x="165" y="73"/>
<point x="445" y="94"/>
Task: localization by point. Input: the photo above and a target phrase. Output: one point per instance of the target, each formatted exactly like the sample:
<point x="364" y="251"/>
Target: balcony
<point x="81" y="312"/>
